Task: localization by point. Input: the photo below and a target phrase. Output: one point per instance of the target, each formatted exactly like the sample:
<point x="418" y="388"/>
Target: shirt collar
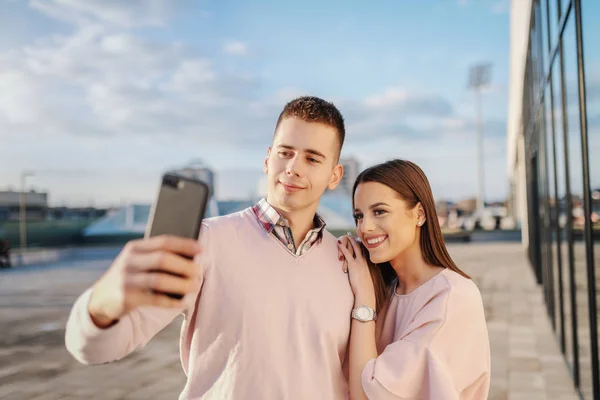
<point x="269" y="217"/>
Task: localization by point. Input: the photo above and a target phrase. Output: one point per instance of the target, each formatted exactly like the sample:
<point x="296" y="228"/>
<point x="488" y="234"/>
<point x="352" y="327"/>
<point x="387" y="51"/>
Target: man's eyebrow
<point x="311" y="151"/>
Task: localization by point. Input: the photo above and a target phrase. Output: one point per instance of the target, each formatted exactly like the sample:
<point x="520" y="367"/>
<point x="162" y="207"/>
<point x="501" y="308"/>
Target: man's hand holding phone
<point x="143" y="274"/>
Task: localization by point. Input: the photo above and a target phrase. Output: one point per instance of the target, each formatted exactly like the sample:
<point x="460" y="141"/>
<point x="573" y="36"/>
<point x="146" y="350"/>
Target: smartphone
<point x="178" y="209"/>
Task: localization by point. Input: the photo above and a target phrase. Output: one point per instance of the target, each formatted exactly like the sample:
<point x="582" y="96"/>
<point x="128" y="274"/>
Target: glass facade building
<point x="554" y="167"/>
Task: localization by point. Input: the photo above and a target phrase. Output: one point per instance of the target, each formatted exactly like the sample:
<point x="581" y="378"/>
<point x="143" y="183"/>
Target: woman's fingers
<point x="345" y="252"/>
<point x="343" y="242"/>
<point x="349" y="248"/>
<point x="355" y="248"/>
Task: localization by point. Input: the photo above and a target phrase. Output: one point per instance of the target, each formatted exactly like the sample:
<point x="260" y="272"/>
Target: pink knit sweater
<point x="265" y="325"/>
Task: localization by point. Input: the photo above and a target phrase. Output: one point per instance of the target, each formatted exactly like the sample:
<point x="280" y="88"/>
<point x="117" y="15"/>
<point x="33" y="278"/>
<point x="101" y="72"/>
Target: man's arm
<point x="127" y="306"/>
<point x="92" y="345"/>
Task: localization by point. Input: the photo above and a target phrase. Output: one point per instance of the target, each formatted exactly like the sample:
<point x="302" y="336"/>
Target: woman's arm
<point x="363" y="346"/>
<point x="362" y="349"/>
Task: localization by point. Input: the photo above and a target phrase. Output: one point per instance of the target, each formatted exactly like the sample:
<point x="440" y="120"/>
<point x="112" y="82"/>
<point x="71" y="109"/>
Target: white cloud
<point x="19" y="100"/>
<point x="390" y="97"/>
<point x="117" y="13"/>
<point x="236" y="48"/>
<point x="399" y="100"/>
<point x="114" y="83"/>
<point x="500" y="6"/>
<point x="108" y="100"/>
<point x="286" y="94"/>
<point x="495" y="6"/>
<point x="191" y="73"/>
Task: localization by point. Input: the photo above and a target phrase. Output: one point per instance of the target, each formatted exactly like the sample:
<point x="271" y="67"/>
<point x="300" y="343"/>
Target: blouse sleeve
<point x="443" y="354"/>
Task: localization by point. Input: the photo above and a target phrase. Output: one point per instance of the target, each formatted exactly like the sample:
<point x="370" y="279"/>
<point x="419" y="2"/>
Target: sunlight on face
<point x="384" y="223"/>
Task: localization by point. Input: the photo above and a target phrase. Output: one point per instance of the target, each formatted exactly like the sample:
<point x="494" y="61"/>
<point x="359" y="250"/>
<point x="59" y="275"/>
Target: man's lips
<point x="291" y="187"/>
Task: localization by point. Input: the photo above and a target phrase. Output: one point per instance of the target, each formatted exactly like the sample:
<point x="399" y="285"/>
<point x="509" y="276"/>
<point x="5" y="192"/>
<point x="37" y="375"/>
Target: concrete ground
<point x="35" y="302"/>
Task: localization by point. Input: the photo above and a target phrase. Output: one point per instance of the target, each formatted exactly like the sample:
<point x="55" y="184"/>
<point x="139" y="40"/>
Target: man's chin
<point x="289" y="201"/>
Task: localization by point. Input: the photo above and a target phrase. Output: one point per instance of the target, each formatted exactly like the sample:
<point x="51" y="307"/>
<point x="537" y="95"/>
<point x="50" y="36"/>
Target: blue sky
<point x="100" y="97"/>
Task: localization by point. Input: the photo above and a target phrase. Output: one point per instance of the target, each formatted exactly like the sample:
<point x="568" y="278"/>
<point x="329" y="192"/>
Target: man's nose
<point x="294" y="166"/>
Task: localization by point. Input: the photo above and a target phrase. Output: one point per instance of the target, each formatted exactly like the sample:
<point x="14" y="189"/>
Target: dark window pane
<point x="562" y="208"/>
<point x="553" y="11"/>
<point x="564" y="4"/>
<point x="545" y="27"/>
<point x="590" y="10"/>
<point x="576" y="177"/>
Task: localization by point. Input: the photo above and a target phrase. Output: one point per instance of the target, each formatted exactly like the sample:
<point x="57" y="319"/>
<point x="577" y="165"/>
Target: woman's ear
<point x="421" y="217"/>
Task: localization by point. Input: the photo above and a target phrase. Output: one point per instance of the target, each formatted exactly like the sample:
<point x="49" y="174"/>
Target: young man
<point x="266" y="305"/>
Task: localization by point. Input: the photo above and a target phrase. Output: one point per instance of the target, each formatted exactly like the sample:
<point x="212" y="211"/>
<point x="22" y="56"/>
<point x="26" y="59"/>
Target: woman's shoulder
<point x="462" y="291"/>
<point x="447" y="296"/>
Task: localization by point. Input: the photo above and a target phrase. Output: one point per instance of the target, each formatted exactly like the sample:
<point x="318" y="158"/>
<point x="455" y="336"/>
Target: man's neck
<point x="301" y="221"/>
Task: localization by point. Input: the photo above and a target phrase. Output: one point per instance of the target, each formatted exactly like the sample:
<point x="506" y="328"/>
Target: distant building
<point x="75" y="213"/>
<point x="232" y="206"/>
<point x="36" y="205"/>
<point x="351" y="171"/>
<point x="467" y="205"/>
<point x="199" y="170"/>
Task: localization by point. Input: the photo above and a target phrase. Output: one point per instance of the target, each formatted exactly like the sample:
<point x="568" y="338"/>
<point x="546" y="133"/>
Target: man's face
<point x="301" y="164"/>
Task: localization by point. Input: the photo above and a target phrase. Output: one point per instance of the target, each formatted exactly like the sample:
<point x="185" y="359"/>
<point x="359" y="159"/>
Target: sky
<point x="98" y="98"/>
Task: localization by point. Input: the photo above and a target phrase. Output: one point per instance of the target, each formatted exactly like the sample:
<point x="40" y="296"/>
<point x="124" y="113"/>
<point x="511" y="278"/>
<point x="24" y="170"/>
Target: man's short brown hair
<point x="314" y="109"/>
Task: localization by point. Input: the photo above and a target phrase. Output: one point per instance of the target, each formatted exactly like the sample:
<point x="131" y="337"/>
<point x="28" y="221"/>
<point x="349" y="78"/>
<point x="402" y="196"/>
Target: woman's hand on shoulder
<point x="355" y="265"/>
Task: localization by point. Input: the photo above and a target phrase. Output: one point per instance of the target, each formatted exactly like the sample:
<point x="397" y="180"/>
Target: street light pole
<point x="479" y="77"/>
<point x="480" y="163"/>
<point x="23" y="214"/>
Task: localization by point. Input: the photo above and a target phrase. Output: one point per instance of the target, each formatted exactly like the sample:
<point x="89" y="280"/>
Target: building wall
<point x="554" y="167"/>
<point x="12" y="198"/>
<point x="36" y="204"/>
<point x="520" y="13"/>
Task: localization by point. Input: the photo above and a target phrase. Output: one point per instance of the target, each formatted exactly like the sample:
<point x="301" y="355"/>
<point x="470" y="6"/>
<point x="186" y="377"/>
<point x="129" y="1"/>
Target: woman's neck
<point x="412" y="270"/>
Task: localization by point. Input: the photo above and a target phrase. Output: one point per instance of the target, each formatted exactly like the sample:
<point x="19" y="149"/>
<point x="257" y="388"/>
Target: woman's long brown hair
<point x="410" y="182"/>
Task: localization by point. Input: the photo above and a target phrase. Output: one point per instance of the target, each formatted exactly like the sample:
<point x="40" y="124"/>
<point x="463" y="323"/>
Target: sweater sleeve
<point x="92" y="345"/>
<point x="443" y="355"/>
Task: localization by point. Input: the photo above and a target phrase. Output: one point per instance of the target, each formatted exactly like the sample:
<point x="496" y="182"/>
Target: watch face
<point x="363" y="313"/>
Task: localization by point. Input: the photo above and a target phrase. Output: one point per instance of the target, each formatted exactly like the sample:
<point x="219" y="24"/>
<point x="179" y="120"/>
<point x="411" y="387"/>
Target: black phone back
<point x="179" y="207"/>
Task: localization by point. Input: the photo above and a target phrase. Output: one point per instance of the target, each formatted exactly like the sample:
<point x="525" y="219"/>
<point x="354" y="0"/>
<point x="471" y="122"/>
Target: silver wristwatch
<point x="364" y="314"/>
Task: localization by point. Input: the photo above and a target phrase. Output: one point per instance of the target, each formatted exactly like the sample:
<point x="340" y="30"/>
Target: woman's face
<point x="384" y="223"/>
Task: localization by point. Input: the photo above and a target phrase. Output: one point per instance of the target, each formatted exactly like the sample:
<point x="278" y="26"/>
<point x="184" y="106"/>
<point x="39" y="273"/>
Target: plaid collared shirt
<point x="275" y="224"/>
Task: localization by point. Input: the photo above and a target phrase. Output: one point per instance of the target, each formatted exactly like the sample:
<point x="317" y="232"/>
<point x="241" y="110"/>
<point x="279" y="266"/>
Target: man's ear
<point x="336" y="176"/>
<point x="266" y="165"/>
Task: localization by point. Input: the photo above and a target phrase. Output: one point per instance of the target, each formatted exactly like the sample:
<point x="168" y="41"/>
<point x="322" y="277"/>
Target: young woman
<point x="418" y="326"/>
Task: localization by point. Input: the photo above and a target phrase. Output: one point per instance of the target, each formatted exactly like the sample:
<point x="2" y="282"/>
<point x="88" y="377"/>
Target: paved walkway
<point x="34" y="304"/>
